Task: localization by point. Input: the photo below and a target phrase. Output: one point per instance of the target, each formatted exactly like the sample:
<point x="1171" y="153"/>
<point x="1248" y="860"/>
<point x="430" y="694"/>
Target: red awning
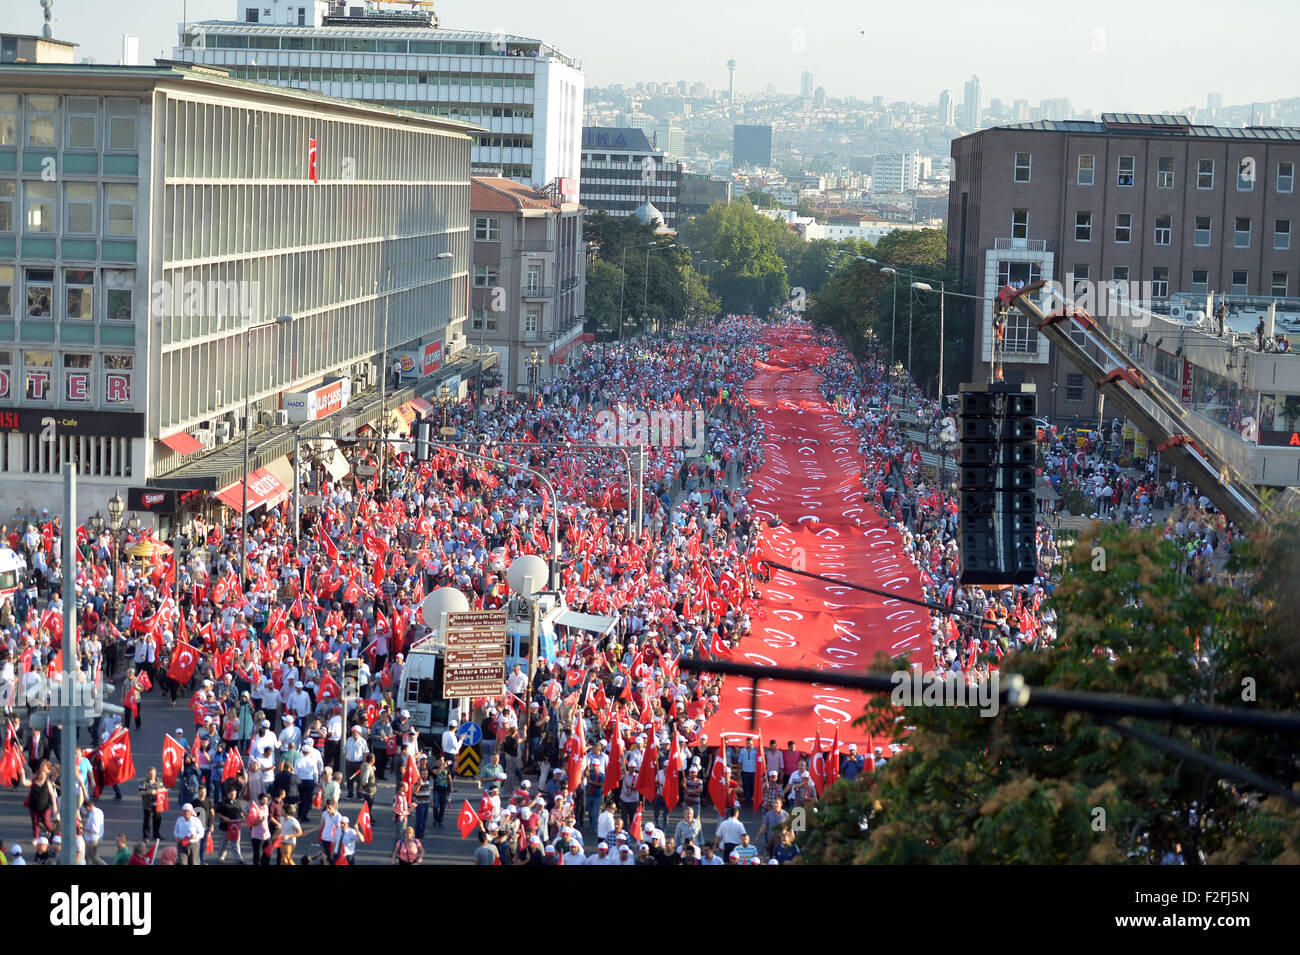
<point x="263" y="488"/>
<point x="407" y="412"/>
<point x="183" y="443"/>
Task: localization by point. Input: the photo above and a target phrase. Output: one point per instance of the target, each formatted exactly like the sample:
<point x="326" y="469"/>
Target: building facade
<point x="896" y="172"/>
<point x="621" y="171"/>
<point x="699" y="191"/>
<point x="529" y="279"/>
<point x="527" y="96"/>
<point x="1142" y="207"/>
<point x="751" y="146"/>
<point x="972" y="110"/>
<point x="204" y="242"/>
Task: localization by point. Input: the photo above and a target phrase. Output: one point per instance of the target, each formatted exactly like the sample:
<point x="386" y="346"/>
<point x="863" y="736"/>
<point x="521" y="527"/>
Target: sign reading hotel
<point x="475" y="658"/>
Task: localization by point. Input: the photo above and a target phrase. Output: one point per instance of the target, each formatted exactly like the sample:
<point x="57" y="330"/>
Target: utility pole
<point x="71" y="648"/>
<point x="383" y="389"/>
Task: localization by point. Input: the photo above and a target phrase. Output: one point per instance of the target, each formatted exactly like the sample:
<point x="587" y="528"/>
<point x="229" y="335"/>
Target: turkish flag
<point x="353" y="593"/>
<point x="833" y="759"/>
<point x="371" y="709"/>
<point x="312" y="173"/>
<point x="467" y="821"/>
<point x="11" y="766"/>
<point x="614" y="770"/>
<point x="411" y="776"/>
<point x="672" y="774"/>
<point x="329" y="688"/>
<point x="52" y="621"/>
<point x="760" y="777"/>
<point x="184" y="659"/>
<point x="635" y="828"/>
<point x="645" y="776"/>
<point x="817" y="765"/>
<point x="717" y="779"/>
<point x="234" y="765"/>
<point x="115" y="757"/>
<point x="173" y="757"/>
<point x="364" y="828"/>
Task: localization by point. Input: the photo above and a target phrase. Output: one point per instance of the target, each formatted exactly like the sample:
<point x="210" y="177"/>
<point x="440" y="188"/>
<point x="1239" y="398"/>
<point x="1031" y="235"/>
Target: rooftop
<point x="497" y="194"/>
<point x="1154" y="124"/>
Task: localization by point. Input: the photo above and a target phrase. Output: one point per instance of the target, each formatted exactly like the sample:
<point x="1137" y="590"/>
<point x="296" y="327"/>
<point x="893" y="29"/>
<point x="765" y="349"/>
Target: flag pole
<point x="68" y="741"/>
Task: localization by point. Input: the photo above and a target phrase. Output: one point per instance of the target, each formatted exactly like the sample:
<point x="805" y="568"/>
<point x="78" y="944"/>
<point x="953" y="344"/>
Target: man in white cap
<point x="450" y="743"/>
<point x="188" y="833"/>
<point x="298" y="702"/>
<point x="291" y="736"/>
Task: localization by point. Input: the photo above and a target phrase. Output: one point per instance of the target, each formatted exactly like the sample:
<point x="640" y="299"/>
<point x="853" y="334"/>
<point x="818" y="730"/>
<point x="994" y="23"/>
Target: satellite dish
<point x="526" y="575"/>
<point x="443" y="600"/>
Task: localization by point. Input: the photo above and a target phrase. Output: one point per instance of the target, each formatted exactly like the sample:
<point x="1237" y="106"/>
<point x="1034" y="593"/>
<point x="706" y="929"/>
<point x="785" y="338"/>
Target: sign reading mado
<point x="475" y="661"/>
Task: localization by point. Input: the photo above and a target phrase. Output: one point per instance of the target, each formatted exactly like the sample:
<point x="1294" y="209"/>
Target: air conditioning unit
<point x="281" y="418"/>
<point x="266" y="418"/>
<point x="221" y="432"/>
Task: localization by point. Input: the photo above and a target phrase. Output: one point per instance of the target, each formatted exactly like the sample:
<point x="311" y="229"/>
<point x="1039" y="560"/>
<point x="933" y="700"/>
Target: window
<point x="1164" y="230"/>
<point x="40" y="206"/>
<point x="1019" y="223"/>
<point x="120" y="286"/>
<point x="1281" y="234"/>
<point x="77" y="371"/>
<point x="40" y="121"/>
<point x="121" y="209"/>
<point x="1279" y="285"/>
<point x="117" y="378"/>
<point x="122" y="115"/>
<point x="1285" y="170"/>
<point x="1241" y="233"/>
<point x="7" y="191"/>
<point x="79" y="294"/>
<point x="1022" y="167"/>
<point x="40" y="292"/>
<point x="1246" y="174"/>
<point x="1201" y="232"/>
<point x="485" y="276"/>
<point x="38" y="366"/>
<point x="1081" y="275"/>
<point x="1165" y="172"/>
<point x="1124" y="171"/>
<point x="482" y="319"/>
<point x="1160" y="282"/>
<point x="1085" y="170"/>
<point x="83" y="122"/>
<point x="487" y="230"/>
<point x="534" y="280"/>
<point x="6" y="291"/>
<point x="530" y="323"/>
<point x="1123" y="227"/>
<point x="1205" y="174"/>
<point x="1240" y="281"/>
<point x="1074" y="388"/>
<point x="6" y="375"/>
<point x="79" y="206"/>
<point x="1119" y="273"/>
<point x="1200" y="280"/>
<point x="8" y="119"/>
<point x="1083" y="227"/>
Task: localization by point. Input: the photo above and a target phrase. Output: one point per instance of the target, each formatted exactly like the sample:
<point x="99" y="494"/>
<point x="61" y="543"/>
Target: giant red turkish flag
<point x="173" y="758"/>
<point x="184" y="659"/>
<point x="811" y="481"/>
<point x="115" y="757"/>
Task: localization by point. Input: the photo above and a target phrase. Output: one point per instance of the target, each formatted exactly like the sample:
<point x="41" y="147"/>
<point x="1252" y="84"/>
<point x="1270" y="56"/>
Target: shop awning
<point x="335" y="463"/>
<point x="264" y="488"/>
<point x="407" y="412"/>
<point x="399" y="422"/>
<point x="592" y="623"/>
<point x="421" y="405"/>
<point x="183" y="443"/>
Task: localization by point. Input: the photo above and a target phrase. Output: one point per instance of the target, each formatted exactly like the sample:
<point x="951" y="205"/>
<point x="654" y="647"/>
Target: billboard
<point x="325" y="399"/>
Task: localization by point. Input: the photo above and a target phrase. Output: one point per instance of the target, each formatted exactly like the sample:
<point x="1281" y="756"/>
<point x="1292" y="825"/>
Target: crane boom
<point x="1163" y="419"/>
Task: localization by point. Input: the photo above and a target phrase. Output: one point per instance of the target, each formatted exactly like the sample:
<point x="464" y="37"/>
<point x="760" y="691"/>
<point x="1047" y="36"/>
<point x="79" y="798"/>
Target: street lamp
<point x="445" y="402"/>
<point x="243" y="511"/>
<point x="534" y="362"/>
<point x="893" y="319"/>
<point x="926" y="287"/>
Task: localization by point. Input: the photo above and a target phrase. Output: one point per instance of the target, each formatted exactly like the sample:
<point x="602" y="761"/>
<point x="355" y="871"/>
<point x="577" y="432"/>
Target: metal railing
<point x="539" y="291"/>
<point x="534" y="245"/>
<point x="1029" y="245"/>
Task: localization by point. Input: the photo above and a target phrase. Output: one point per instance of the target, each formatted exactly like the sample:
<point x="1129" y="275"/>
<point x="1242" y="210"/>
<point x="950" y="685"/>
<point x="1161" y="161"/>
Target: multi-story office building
<point x="1145" y="205"/>
<point x="972" y="110"/>
<point x="896" y="172"/>
<point x="176" y="245"/>
<point x="699" y="191"/>
<point x="527" y="96"/>
<point x="947" y="115"/>
<point x="621" y="172"/>
<point x="671" y="138"/>
<point x="751" y="146"/>
<point x="806" y="84"/>
<point x="529" y="279"/>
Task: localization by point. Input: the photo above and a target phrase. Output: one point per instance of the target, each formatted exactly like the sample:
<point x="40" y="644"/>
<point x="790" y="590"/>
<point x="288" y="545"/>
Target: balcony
<point x="1030" y="245"/>
<point x="539" y="291"/>
<point x="534" y="245"/>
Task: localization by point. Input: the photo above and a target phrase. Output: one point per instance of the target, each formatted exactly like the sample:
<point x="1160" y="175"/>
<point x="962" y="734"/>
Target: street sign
<point x="364" y="471"/>
<point x="469" y="734"/>
<point x="467" y="762"/>
<point x="475" y="660"/>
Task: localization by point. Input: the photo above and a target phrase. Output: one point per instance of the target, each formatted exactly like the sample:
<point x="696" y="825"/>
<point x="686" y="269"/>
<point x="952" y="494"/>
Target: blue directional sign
<point x="469" y="734"/>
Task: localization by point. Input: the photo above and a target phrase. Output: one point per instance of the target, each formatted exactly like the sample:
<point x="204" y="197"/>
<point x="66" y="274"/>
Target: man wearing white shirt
<point x="93" y="831"/>
<point x="605" y="822"/>
<point x="298" y="702"/>
<point x="574" y="856"/>
<point x="188" y="831"/>
<point x="450" y="743"/>
<point x="518" y="682"/>
<point x="308" y="770"/>
<point x="291" y="736"/>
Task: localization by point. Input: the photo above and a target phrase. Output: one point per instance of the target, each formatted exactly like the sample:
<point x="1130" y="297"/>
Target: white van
<point x="13" y="572"/>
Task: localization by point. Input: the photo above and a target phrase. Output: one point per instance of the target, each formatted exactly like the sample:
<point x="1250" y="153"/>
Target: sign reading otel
<point x="325" y="399"/>
<point x="475" y="659"/>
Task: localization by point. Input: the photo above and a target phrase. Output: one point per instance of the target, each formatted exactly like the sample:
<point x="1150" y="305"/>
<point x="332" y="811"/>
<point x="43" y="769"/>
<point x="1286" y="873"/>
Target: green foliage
<point x="750" y="275"/>
<point x="604" y="281"/>
<point x="1027" y="785"/>
<point x="764" y="200"/>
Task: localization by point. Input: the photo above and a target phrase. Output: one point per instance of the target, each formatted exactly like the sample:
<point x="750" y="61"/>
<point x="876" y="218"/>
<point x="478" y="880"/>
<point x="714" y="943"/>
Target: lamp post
<point x="926" y="287"/>
<point x="893" y="318"/>
<point x="243" y="511"/>
<point x="534" y="362"/>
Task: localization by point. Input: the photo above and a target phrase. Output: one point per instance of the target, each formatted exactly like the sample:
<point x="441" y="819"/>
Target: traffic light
<point x="422" y="440"/>
<point x="997" y="478"/>
<point x="351" y="683"/>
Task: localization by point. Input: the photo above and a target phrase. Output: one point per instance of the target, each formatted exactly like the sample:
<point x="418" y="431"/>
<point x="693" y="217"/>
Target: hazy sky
<point x="1139" y="55"/>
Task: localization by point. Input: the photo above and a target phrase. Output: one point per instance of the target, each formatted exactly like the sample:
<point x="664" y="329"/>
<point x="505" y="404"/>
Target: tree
<point x="604" y="281"/>
<point x="1033" y="785"/>
<point x="750" y="274"/>
<point x="764" y="200"/>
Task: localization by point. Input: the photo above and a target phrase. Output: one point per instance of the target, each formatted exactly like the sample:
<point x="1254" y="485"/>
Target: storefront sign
<point x="324" y="399"/>
<point x="110" y="424"/>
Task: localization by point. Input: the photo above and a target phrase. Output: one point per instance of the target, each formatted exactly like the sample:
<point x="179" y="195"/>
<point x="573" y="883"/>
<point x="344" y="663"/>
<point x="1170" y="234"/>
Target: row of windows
<point x="88" y="208"/>
<point x="205" y="221"/>
<point x="212" y="141"/>
<point x="86" y="123"/>
<point x="1238" y="284"/>
<point x="67" y="294"/>
<point x="67" y="379"/>
<point x="1125" y="166"/>
<point x="91" y="456"/>
<point x="355" y="45"/>
<point x="312" y="76"/>
<point x="1162" y="229"/>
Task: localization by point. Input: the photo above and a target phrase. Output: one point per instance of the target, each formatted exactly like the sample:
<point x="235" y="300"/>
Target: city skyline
<point x="1116" y="49"/>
